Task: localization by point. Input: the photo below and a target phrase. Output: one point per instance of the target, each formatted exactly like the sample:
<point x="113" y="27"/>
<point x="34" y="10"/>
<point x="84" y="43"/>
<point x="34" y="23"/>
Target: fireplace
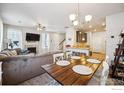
<point x="32" y="49"/>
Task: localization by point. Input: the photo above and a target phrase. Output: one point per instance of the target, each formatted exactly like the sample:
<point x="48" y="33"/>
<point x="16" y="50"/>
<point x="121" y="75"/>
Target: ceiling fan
<point x="40" y="27"/>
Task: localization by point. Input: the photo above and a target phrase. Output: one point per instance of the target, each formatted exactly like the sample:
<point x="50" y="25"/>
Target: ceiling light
<point x="40" y="27"/>
<point x="88" y="18"/>
<point x="76" y="19"/>
<point x="90" y="26"/>
<point x="75" y="23"/>
<point x="72" y="17"/>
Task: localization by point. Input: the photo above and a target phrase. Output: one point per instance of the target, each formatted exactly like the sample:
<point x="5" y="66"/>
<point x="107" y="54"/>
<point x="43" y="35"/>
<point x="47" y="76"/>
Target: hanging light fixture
<point x="72" y="17"/>
<point x="88" y="18"/>
<point x="75" y="23"/>
<point x="40" y="27"/>
<point x="76" y="19"/>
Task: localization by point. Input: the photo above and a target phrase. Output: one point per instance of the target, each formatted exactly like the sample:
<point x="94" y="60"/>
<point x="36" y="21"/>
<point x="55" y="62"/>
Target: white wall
<point x="1" y="34"/>
<point x="114" y="25"/>
<point x="56" y="38"/>
<point x="70" y="36"/>
<point x="98" y="41"/>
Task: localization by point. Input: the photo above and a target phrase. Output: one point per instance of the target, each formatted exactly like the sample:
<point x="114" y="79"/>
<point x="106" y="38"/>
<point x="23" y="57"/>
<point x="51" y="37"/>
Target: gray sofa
<point x="21" y="68"/>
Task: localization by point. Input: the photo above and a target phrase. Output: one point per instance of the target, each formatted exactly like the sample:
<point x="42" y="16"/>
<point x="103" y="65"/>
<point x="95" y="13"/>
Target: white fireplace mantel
<point x="32" y="44"/>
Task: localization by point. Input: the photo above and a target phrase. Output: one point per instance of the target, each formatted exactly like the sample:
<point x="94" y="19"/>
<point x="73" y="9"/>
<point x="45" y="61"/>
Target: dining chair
<point x="107" y="60"/>
<point x="101" y="75"/>
<point x="105" y="73"/>
<point x="58" y="57"/>
<point x="100" y="69"/>
<point x="68" y="54"/>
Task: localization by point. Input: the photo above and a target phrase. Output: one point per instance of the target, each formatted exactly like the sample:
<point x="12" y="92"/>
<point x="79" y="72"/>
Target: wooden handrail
<point x="61" y="42"/>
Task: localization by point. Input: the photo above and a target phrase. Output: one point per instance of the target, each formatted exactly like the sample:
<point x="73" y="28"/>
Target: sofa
<point x="17" y="69"/>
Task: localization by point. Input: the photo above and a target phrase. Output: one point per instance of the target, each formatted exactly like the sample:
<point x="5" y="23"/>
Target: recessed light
<point x="90" y="26"/>
<point x="83" y="39"/>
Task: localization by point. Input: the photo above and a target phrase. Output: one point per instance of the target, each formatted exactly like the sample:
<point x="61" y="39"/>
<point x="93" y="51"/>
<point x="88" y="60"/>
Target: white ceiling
<point x="55" y="16"/>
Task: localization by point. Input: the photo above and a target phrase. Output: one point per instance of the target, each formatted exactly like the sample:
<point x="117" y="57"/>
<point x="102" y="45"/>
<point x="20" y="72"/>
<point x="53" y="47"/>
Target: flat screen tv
<point x="32" y="37"/>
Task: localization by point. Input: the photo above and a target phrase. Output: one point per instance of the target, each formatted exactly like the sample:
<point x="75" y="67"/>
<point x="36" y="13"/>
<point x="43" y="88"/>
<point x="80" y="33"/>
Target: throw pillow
<point x="13" y="52"/>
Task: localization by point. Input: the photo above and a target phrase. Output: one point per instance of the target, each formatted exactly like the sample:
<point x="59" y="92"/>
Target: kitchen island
<point x="79" y="50"/>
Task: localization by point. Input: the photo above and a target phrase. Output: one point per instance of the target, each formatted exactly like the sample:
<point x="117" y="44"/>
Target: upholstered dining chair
<point x="58" y="57"/>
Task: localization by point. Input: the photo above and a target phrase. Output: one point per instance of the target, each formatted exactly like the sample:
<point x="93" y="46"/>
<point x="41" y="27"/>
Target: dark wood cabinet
<point x="81" y="37"/>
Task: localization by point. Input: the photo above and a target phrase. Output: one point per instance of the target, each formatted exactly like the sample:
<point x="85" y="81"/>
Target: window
<point x="45" y="40"/>
<point x="14" y="38"/>
<point x="1" y="34"/>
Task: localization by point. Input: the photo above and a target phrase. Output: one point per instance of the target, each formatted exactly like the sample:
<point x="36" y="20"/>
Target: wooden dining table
<point x="66" y="76"/>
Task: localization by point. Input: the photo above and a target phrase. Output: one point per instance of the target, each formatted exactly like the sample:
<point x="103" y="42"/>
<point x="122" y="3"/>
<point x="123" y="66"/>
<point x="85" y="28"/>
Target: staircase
<point x="61" y="44"/>
<point x="119" y="53"/>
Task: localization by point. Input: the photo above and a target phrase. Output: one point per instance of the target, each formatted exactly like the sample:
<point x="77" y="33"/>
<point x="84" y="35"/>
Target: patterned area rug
<point x="118" y="82"/>
<point x="47" y="80"/>
<point x="53" y="83"/>
<point x="113" y="81"/>
<point x="44" y="79"/>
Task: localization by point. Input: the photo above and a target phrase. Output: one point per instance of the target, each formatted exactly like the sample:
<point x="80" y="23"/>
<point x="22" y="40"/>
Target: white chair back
<point x="68" y="55"/>
<point x="58" y="57"/>
<point x="101" y="75"/>
<point x="105" y="73"/>
<point x="107" y="60"/>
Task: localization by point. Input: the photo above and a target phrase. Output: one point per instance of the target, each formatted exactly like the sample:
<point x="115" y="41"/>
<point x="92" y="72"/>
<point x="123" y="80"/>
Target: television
<point x="32" y="37"/>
